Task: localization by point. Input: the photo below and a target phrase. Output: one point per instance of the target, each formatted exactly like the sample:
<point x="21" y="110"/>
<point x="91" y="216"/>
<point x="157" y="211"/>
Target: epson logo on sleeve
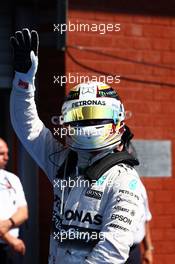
<point x="121" y="218"/>
<point x="94" y="194"/>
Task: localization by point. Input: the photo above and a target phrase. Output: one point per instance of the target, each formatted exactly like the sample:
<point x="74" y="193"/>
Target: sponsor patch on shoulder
<point x="22" y="84"/>
<point x="94" y="194"/>
<point x="133" y="184"/>
<point x="101" y="180"/>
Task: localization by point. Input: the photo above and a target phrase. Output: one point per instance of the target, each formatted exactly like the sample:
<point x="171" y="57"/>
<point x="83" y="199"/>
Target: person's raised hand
<point x="25" y="49"/>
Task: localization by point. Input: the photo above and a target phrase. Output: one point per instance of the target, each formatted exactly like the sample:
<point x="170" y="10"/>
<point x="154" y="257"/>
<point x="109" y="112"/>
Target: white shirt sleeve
<point x="20" y="196"/>
<point x="11" y="198"/>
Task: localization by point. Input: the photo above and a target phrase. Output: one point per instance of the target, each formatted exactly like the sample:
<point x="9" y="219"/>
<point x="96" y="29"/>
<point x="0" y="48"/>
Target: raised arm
<point x="37" y="139"/>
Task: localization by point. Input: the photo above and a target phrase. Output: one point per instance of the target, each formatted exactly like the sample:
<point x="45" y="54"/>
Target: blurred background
<point x="142" y="53"/>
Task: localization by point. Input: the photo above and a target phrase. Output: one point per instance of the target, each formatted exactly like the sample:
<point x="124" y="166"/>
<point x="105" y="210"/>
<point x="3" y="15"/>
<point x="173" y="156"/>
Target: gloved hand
<point x="25" y="47"/>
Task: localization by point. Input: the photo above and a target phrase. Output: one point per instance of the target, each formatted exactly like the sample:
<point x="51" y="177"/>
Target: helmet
<point x="94" y="117"/>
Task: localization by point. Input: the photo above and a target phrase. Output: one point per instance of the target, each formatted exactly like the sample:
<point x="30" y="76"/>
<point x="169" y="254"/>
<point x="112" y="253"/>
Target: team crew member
<point x="94" y="220"/>
<point x="13" y="210"/>
<point x="148" y="247"/>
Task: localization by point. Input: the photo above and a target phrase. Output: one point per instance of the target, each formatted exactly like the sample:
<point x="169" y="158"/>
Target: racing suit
<point x="92" y="224"/>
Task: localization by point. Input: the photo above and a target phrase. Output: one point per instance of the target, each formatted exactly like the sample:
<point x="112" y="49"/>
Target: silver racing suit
<point x="93" y="223"/>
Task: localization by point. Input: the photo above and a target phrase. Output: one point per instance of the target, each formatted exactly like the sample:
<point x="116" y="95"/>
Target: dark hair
<point x="126" y="137"/>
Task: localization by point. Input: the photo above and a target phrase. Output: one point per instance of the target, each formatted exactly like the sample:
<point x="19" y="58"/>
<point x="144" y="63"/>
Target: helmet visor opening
<point x="93" y="122"/>
<point x="91" y="113"/>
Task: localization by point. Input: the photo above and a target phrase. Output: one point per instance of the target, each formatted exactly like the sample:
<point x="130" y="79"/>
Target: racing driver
<point x="95" y="219"/>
